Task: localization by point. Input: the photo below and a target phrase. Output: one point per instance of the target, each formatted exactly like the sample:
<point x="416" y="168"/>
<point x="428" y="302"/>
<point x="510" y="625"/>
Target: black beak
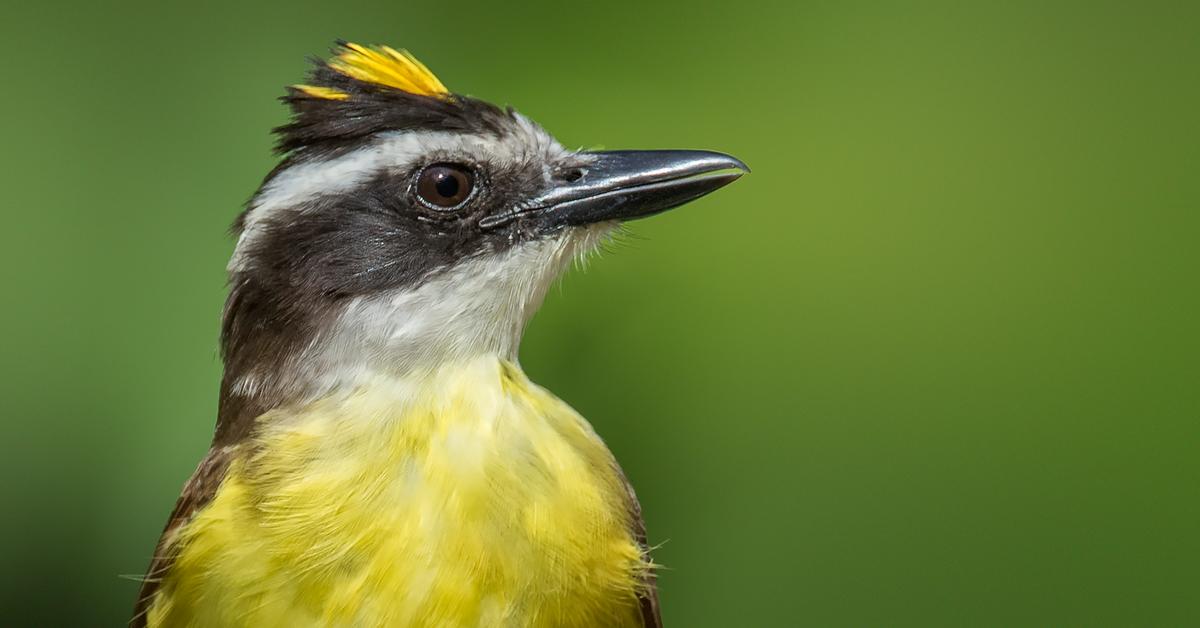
<point x="624" y="185"/>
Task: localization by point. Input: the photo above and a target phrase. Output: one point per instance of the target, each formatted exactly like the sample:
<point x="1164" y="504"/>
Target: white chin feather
<point x="478" y="308"/>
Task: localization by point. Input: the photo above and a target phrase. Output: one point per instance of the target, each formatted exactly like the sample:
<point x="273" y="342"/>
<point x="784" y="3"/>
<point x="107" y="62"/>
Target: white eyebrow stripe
<point x="337" y="175"/>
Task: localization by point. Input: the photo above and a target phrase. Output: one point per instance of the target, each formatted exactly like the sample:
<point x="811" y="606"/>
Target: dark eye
<point x="444" y="186"/>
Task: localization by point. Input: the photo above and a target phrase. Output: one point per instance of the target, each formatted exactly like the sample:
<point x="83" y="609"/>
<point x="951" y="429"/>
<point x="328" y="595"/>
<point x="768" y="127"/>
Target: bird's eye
<point x="444" y="186"/>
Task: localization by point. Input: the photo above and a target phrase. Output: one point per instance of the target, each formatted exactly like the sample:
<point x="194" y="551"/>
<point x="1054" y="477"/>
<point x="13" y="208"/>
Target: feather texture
<point x="470" y="498"/>
<point x="379" y="65"/>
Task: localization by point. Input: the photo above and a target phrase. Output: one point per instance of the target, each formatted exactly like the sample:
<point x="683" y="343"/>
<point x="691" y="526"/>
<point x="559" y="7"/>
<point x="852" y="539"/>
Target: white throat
<point x="478" y="308"/>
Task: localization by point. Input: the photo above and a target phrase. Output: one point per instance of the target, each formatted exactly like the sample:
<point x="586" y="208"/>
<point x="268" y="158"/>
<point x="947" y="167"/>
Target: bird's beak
<point x="626" y="184"/>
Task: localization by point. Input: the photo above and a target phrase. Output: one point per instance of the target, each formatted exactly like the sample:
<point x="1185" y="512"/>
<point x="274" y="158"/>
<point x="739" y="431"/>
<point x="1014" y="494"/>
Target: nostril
<point x="573" y="175"/>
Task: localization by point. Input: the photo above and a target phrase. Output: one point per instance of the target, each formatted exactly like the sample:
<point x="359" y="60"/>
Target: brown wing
<point x="651" y="616"/>
<point x="197" y="492"/>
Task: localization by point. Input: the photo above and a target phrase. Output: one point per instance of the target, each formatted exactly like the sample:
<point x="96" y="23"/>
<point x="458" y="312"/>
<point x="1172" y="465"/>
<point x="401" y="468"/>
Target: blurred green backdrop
<point x="934" y="363"/>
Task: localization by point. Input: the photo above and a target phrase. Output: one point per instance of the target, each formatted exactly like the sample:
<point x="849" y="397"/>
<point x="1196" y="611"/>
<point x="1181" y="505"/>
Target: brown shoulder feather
<point x="197" y="492"/>
<point x="651" y="615"/>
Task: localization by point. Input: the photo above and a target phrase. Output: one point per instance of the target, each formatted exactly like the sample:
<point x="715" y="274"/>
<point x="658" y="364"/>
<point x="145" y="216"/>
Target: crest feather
<point x="380" y="65"/>
<point x="363" y="90"/>
<point x="328" y="93"/>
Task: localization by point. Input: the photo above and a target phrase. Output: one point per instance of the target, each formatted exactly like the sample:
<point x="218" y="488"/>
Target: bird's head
<point x="408" y="225"/>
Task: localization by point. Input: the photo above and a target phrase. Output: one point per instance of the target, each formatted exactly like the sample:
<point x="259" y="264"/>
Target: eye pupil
<point x="444" y="186"/>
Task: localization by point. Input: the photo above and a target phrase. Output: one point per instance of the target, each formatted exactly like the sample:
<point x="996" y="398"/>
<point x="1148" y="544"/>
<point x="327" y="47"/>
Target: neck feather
<point x="478" y="308"/>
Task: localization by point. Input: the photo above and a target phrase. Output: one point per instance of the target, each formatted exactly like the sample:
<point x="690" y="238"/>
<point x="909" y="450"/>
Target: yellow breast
<point x="472" y="498"/>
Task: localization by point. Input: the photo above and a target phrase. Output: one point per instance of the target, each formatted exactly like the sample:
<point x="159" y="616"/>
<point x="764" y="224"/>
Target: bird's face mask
<point x="406" y="218"/>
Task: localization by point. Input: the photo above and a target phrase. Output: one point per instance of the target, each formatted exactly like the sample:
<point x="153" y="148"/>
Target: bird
<point x="379" y="456"/>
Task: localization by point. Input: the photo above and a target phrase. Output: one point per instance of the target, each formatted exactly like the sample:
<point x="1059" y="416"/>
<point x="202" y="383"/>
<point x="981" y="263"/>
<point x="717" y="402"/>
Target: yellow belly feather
<point x="479" y="501"/>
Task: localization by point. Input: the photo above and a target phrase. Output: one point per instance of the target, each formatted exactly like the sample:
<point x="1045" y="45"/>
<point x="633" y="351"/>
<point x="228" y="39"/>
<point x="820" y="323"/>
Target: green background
<point x="934" y="363"/>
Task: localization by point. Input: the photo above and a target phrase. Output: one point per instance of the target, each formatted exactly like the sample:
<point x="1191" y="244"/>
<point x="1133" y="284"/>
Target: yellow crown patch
<point x="328" y="93"/>
<point x="379" y="65"/>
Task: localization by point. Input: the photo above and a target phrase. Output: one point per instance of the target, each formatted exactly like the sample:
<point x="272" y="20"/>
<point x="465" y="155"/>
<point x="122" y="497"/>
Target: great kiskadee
<point x="380" y="459"/>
